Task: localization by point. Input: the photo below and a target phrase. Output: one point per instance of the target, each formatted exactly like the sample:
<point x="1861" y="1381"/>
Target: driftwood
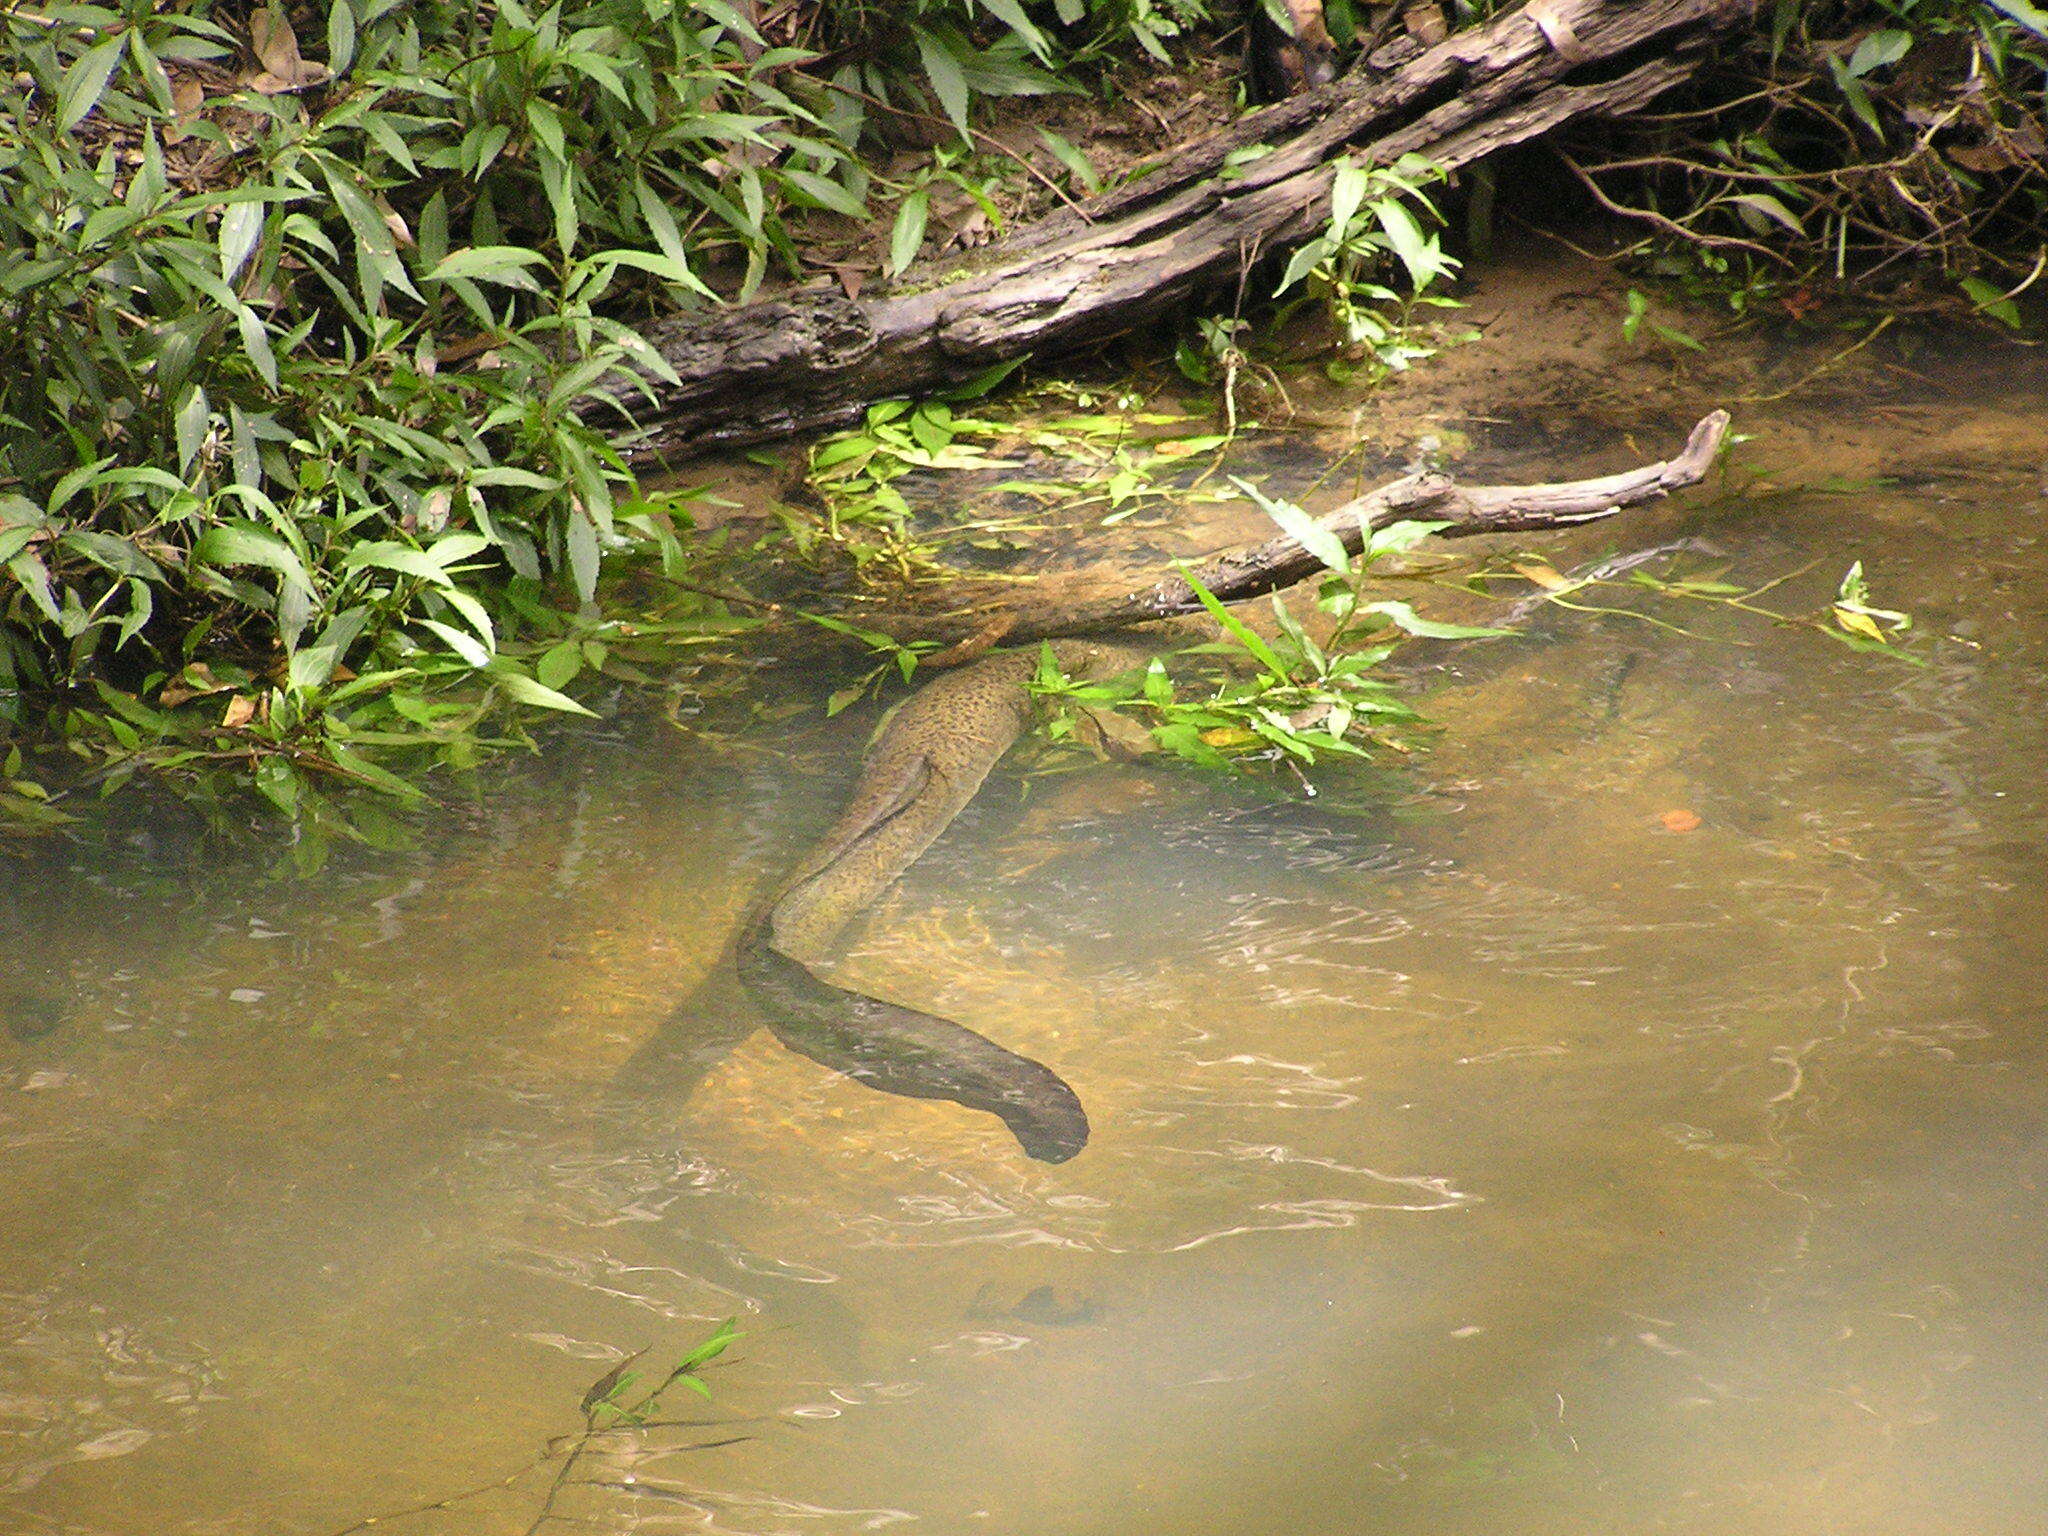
<point x="1428" y="497"/>
<point x="1282" y="561"/>
<point x="1189" y="222"/>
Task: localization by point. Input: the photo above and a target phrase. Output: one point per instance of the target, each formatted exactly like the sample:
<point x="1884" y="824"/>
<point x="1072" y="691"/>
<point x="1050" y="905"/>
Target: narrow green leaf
<point x="241" y="226"/>
<point x="256" y="343"/>
<point x="241" y="542"/>
<point x="1311" y="535"/>
<point x="1347" y="191"/>
<point x="312" y="665"/>
<point x="189" y="425"/>
<point x="1011" y="14"/>
<point x="1078" y="164"/>
<point x="86" y="80"/>
<point x="521" y="689"/>
<point x="1236" y="627"/>
<point x="2032" y="17"/>
<point x="504" y="264"/>
<point x="1878" y="49"/>
<point x="907" y="238"/>
<point x="1418" y="252"/>
<point x="1406" y="619"/>
<point x="827" y="192"/>
<point x="948" y="84"/>
<point x="388" y="555"/>
<point x="115" y="554"/>
<point x="34" y="579"/>
<point x="341" y="35"/>
<point x="462" y="644"/>
<point x="581" y="538"/>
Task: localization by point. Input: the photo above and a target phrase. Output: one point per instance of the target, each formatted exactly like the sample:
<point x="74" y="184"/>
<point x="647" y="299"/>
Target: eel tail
<point x="902" y="1051"/>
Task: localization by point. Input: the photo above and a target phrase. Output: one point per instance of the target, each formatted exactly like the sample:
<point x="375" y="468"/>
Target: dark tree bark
<point x="815" y="358"/>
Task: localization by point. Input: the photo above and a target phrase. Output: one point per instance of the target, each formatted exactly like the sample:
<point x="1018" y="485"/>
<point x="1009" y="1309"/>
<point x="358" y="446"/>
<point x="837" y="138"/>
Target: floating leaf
<point x="1406" y="619"/>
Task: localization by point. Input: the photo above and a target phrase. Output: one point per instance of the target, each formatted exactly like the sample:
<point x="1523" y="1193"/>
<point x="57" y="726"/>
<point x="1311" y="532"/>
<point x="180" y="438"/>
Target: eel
<point x="927" y="763"/>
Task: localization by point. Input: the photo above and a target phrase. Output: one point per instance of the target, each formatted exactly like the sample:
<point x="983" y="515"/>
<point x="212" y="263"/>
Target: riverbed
<point x="1630" y="1116"/>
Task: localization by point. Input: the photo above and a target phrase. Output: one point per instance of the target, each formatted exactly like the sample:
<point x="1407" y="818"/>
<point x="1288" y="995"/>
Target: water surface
<point x="1498" y="1162"/>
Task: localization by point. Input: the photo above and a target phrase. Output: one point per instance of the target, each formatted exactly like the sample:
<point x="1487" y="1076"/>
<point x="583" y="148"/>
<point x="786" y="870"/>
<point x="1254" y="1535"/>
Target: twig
<point x="1669" y="225"/>
<point x="722" y="596"/>
<point x="449" y="1502"/>
<point x="1840" y="357"/>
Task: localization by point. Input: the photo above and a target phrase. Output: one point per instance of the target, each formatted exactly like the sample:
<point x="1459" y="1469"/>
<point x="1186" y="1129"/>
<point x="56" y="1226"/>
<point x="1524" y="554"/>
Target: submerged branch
<point x="1282" y="561"/>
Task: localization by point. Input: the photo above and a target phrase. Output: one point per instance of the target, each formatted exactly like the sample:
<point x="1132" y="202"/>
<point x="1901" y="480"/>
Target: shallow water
<point x="1501" y="1162"/>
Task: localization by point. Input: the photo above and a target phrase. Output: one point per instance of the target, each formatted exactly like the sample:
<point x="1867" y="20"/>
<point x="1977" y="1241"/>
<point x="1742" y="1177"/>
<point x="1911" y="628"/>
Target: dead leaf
<point x="276" y="48"/>
<point x="1680" y="821"/>
<point x="1557" y="31"/>
<point x="462" y="351"/>
<point x="1116" y="737"/>
<point x="1228" y="736"/>
<point x="1543" y="575"/>
<point x="241" y="710"/>
<point x="187" y="97"/>
<point x="196" y="681"/>
<point x="1425" y="23"/>
<point x="1984" y="159"/>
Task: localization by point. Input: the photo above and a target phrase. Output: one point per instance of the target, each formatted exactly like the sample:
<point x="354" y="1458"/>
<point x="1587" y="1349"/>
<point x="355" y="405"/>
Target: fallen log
<point x="815" y="357"/>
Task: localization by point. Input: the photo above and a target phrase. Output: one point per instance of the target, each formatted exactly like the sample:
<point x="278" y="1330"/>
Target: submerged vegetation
<point x="619" y="1410"/>
<point x="307" y="479"/>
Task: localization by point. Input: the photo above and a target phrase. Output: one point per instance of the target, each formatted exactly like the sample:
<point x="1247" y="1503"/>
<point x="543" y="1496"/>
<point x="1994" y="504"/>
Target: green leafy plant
<point x="624" y="1397"/>
<point x="1897" y="142"/>
<point x="1639" y="319"/>
<point x="1288" y="698"/>
<point x="618" y="1403"/>
<point x="1121" y="458"/>
<point x="312" y="319"/>
<point x="1850" y="618"/>
<point x="1381" y="223"/>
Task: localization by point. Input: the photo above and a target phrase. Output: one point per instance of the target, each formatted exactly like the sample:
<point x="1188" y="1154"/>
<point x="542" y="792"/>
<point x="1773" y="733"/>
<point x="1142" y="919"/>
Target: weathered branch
<point x="1282" y="561"/>
<point x="1186" y="223"/>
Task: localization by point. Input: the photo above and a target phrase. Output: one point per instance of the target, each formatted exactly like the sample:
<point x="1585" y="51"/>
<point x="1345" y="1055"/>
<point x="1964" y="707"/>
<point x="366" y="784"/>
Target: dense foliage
<point x="303" y="305"/>
<point x="1899" y="147"/>
<point x="299" y="303"/>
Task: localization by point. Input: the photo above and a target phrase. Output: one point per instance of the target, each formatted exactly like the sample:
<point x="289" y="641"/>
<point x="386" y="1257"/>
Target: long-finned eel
<point x="926" y="765"/>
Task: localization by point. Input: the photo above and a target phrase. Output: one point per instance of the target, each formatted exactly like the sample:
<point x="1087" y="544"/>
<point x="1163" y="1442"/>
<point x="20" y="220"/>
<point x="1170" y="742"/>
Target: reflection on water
<point x="1503" y="1163"/>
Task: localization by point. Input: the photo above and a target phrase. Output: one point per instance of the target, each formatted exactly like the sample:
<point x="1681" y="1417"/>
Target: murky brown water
<point x="1504" y="1163"/>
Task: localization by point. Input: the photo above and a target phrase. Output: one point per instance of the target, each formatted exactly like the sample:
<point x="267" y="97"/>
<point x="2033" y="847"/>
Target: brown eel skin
<point x="927" y="763"/>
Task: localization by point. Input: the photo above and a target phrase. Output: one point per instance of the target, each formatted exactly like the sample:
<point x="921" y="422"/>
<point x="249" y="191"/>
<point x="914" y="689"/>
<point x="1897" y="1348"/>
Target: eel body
<point x="928" y="762"/>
